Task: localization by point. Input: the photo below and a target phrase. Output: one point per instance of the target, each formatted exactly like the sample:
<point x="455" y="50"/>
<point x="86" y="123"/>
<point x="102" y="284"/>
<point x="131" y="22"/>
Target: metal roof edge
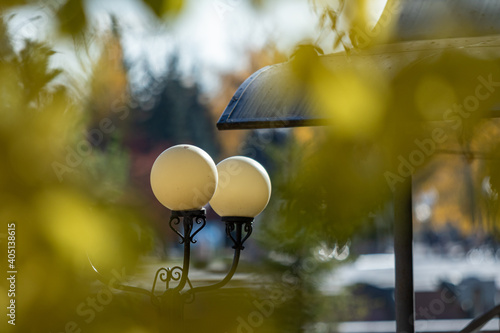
<point x="270" y="123"/>
<point x="239" y="92"/>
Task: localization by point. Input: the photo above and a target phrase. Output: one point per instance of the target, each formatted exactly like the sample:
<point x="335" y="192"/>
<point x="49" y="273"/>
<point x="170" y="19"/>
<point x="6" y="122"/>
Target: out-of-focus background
<point x="93" y="91"/>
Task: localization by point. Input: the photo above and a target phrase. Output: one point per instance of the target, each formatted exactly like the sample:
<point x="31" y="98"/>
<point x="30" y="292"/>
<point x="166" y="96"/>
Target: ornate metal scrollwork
<point x="236" y="225"/>
<point x="189" y="218"/>
<point x="248" y="229"/>
<point x="166" y="275"/>
<point x="176" y="220"/>
<point x="198" y="220"/>
<point x="229" y="229"/>
<point x="238" y="229"/>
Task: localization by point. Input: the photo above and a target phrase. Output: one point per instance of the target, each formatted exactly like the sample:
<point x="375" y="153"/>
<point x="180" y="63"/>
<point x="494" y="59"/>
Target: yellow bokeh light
<point x="433" y="96"/>
<point x="75" y="228"/>
<point x="353" y="101"/>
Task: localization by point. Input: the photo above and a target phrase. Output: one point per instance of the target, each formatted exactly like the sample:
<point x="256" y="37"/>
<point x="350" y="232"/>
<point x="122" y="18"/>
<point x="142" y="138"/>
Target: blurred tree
<point x="169" y="110"/>
<point x="60" y="217"/>
<point x="176" y="112"/>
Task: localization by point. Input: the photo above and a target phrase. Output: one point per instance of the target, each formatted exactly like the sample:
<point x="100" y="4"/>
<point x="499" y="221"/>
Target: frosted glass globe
<point x="243" y="189"/>
<point x="184" y="177"/>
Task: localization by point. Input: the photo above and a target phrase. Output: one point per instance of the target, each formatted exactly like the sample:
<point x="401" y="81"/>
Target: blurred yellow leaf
<point x="165" y="7"/>
<point x="433" y="95"/>
<point x="355" y="102"/>
<point x="72" y="19"/>
<point x="75" y="228"/>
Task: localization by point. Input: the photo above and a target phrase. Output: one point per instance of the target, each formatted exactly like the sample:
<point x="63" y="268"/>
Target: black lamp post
<point x="184" y="178"/>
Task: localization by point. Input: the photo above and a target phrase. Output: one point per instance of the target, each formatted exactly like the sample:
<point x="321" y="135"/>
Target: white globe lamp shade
<point x="243" y="189"/>
<point x="184" y="177"/>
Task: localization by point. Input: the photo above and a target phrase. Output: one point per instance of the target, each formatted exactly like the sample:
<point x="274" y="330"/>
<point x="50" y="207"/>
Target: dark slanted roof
<point x="431" y="19"/>
<point x="269" y="98"/>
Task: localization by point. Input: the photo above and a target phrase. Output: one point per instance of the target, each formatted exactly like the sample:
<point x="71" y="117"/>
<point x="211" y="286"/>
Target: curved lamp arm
<point x="117" y="285"/>
<point x="237" y="224"/>
<point x="234" y="225"/>
<point x="221" y="283"/>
